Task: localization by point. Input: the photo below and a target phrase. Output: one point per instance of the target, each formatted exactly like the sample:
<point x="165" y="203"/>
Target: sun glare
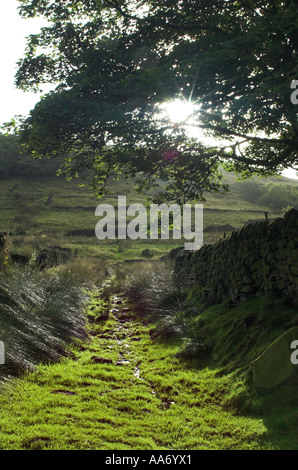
<point x="183" y="114"/>
<point x="178" y="110"/>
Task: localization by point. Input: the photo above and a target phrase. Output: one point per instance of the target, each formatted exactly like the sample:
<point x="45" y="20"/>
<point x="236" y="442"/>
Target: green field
<point x="44" y="210"/>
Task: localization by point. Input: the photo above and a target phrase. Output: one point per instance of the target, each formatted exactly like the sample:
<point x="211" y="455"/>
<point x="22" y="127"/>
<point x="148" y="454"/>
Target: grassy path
<point x="121" y="391"/>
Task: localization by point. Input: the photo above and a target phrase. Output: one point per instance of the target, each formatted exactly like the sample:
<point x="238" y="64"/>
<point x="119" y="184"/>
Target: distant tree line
<point x="275" y="195"/>
<point x="14" y="163"/>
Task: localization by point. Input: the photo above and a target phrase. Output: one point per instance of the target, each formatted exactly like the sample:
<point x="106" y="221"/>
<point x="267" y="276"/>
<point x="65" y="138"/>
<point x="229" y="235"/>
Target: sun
<point x="183" y="114"/>
<point x="178" y="111"/>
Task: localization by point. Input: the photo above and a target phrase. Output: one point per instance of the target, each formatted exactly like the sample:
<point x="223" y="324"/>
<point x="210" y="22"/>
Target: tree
<point x="115" y="61"/>
<point x="280" y="196"/>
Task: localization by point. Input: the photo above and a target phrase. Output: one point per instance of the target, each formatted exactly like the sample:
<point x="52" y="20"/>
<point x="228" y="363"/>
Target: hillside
<point x="43" y="211"/>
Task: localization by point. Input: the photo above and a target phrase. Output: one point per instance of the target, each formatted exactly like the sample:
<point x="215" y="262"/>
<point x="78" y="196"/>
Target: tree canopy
<point x="114" y="62"/>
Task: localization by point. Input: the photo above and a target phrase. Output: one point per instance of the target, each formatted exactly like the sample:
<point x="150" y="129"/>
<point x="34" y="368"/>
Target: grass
<point x="125" y="388"/>
<point x="239" y="333"/>
<point x="230" y="334"/>
<point x="151" y="401"/>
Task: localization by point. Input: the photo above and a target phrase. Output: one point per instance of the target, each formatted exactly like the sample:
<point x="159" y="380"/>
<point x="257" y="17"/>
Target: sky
<point x="13" y="32"/>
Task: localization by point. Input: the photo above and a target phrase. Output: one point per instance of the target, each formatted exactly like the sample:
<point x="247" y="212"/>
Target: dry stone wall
<point x="260" y="258"/>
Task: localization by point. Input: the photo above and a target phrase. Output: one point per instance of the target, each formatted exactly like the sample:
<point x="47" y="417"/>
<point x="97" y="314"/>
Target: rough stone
<point x="53" y="256"/>
<point x="259" y="258"/>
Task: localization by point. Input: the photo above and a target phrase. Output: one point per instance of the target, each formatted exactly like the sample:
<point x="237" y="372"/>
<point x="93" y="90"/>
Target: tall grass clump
<point x="4" y="251"/>
<point x="148" y="284"/>
<point x="151" y="286"/>
<point x="156" y="293"/>
<point x="41" y="313"/>
<point x="83" y="272"/>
